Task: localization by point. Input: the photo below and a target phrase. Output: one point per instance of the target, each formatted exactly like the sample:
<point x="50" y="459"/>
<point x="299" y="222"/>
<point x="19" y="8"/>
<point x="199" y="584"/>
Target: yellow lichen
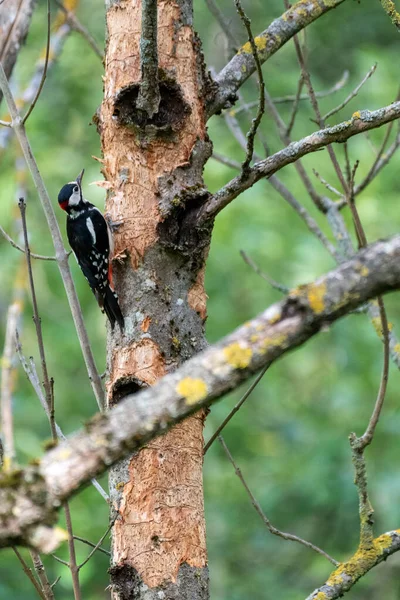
<point x="193" y="390"/>
<point x="238" y="356"/>
<point x="260" y="41"/>
<point x="254" y="338"/>
<point x="316" y="294"/>
<point x="356" y="115"/>
<point x="272" y="342"/>
<point x="364" y="271"/>
<point x="397" y="348"/>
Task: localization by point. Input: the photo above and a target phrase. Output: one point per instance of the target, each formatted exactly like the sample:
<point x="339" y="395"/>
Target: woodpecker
<point x="91" y="241"/>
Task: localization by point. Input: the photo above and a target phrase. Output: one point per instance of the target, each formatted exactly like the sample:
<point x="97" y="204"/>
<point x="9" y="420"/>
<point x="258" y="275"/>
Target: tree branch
<point x="149" y="93"/>
<point x="242" y="65"/>
<point x="29" y="499"/>
<point x="348" y="573"/>
<point x="361" y="121"/>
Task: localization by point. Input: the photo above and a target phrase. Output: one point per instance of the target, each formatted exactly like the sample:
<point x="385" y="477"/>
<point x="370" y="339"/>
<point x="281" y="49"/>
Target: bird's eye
<point x="76" y="189"/>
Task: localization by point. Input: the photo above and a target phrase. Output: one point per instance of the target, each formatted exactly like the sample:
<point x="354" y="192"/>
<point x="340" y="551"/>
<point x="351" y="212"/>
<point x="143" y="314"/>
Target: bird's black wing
<point x="88" y="238"/>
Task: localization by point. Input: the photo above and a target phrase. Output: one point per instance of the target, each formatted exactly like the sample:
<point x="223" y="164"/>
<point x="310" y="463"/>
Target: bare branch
<point x="361" y="121"/>
<point x="18" y="247"/>
<point x="77" y="26"/>
<point x="267" y="522"/>
<point x="261" y="101"/>
<point x="235" y="409"/>
<point x="292" y="98"/>
<point x="73" y="567"/>
<point x="352" y="95"/>
<point x="15" y="18"/>
<point x="97" y="546"/>
<point x="7" y="368"/>
<point x="37" y="320"/>
<point x="29" y="573"/>
<point x="242" y="65"/>
<point x="41" y="573"/>
<point x="390" y="8"/>
<point x="46" y="63"/>
<point x="256" y="269"/>
<point x="349" y="572"/>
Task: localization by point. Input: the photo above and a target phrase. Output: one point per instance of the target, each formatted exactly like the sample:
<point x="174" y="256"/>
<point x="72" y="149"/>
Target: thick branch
<point x="361" y="121"/>
<point x="199" y="382"/>
<point x="348" y="573"/>
<point x="242" y="65"/>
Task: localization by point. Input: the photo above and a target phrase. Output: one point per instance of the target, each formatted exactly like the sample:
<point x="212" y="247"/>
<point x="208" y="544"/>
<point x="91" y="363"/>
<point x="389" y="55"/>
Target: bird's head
<point x="70" y="195"/>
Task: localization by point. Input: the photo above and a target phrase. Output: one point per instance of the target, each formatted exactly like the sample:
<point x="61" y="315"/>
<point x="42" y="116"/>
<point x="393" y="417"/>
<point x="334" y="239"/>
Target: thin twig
<point x="61" y="254"/>
<point x="292" y="98"/>
<point x="97" y="546"/>
<point x="267" y="522"/>
<point x="249" y="261"/>
<point x="41" y="573"/>
<point x="295" y="106"/>
<point x="327" y="185"/>
<point x="351" y="95"/>
<point x="18" y="247"/>
<point x="29" y="574"/>
<point x="6" y="123"/>
<point x="298" y="165"/>
<point x="77" y="26"/>
<point x="60" y="560"/>
<point x="314" y="102"/>
<point x="7" y="428"/>
<point x="276" y="183"/>
<point x="380" y="161"/>
<point x="36" y="318"/>
<point x="46" y="63"/>
<point x="235" y="409"/>
<point x="228" y="162"/>
<point x="390" y="8"/>
<point x="261" y="100"/>
<point x="72" y="554"/>
<point x="223" y="23"/>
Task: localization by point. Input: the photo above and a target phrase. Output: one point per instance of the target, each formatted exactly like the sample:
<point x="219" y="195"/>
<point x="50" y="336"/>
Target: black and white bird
<point x="91" y="241"/>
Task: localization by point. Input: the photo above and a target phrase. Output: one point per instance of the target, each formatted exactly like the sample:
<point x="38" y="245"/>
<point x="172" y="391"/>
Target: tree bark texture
<point x="153" y="171"/>
<point x="15" y="18"/>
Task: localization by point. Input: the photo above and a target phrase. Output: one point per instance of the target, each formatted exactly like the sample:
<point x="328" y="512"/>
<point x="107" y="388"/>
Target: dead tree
<point x="158" y="96"/>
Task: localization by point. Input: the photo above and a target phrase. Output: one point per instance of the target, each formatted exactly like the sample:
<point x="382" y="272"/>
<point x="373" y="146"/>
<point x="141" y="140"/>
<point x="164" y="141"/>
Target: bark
<point x="15" y="18"/>
<point x="153" y="169"/>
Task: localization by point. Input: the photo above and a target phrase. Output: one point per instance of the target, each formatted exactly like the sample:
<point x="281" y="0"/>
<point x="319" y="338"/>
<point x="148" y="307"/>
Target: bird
<point x="91" y="241"/>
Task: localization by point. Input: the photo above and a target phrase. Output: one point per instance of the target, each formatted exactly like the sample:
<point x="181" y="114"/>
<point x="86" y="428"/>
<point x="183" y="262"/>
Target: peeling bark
<point x="153" y="166"/>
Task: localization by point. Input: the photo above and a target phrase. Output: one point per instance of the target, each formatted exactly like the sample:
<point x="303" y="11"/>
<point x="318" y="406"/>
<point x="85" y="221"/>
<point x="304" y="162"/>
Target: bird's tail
<point x="112" y="309"/>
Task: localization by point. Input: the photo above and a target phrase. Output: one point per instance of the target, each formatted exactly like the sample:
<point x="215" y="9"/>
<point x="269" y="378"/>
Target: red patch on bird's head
<point x="64" y="205"/>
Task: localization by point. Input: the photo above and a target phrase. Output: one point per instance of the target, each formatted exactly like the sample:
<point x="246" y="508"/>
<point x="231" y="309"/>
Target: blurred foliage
<point x="290" y="438"/>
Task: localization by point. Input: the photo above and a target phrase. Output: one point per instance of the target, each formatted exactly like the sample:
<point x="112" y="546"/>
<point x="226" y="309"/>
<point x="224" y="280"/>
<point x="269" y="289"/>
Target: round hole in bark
<point x="124" y="387"/>
<point x="171" y="113"/>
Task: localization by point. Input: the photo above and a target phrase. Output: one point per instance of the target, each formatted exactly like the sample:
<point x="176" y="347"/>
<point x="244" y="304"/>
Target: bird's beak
<point x="79" y="178"/>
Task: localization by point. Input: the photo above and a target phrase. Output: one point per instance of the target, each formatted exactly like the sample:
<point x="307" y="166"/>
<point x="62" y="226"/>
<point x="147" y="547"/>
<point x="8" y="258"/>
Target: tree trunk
<point x="153" y="169"/>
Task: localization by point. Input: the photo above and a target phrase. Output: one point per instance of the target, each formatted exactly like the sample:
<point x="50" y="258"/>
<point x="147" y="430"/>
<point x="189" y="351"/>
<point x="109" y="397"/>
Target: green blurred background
<point x="291" y="437"/>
